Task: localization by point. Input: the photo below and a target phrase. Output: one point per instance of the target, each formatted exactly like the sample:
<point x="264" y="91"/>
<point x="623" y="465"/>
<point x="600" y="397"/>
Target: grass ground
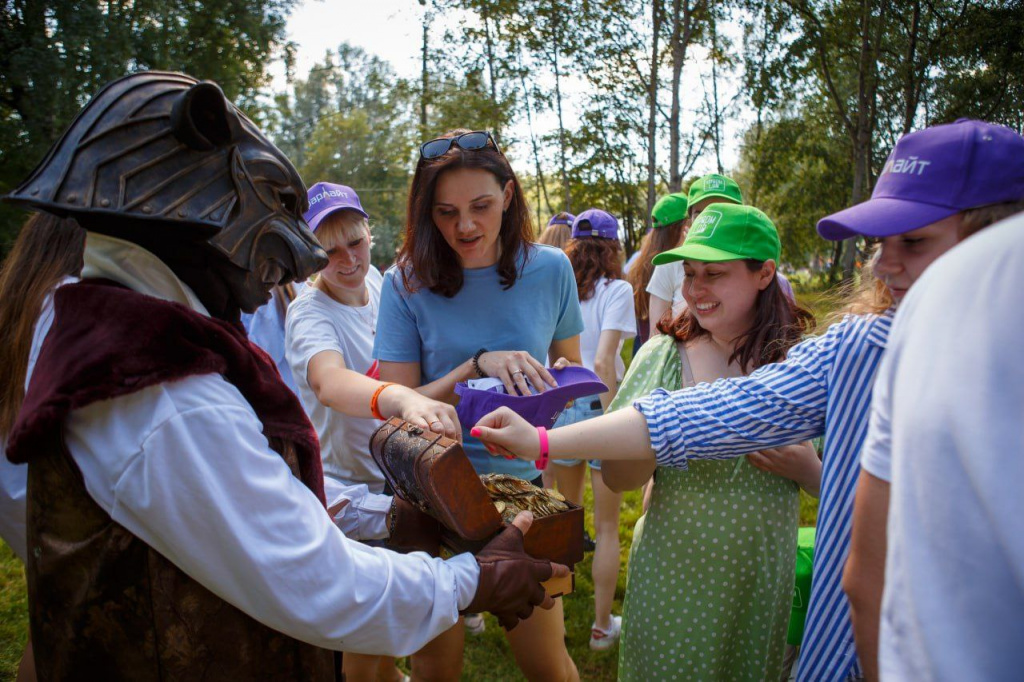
<point x="487" y="656"/>
<point x="13" y="612"/>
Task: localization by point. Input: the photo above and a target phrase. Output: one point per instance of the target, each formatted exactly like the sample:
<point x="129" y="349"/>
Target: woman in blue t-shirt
<point x="470" y="296"/>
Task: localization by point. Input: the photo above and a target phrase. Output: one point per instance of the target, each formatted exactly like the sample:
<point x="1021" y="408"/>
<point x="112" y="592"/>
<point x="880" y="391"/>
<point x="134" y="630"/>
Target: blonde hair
<point x="556" y="235"/>
<point x="976" y="219"/>
<point x="340" y="227"/>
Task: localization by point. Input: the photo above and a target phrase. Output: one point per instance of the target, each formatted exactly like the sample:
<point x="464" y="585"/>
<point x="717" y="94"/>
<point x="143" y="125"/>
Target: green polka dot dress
<point x="710" y="576"/>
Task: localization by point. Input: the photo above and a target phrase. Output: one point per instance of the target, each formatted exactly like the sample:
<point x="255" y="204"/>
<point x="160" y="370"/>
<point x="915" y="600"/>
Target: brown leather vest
<point x="102" y="603"/>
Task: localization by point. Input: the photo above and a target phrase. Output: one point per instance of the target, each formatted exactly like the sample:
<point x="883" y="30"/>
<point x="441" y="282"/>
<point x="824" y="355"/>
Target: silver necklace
<point x="372" y="321"/>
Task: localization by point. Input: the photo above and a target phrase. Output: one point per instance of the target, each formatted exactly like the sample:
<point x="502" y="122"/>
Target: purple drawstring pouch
<point x="540" y="409"/>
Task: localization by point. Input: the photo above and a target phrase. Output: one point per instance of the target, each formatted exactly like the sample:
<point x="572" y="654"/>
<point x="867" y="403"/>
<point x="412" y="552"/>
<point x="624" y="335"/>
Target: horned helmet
<point x="162" y="155"/>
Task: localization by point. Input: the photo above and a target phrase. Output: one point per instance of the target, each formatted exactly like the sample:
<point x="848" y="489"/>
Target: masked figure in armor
<point x="177" y="516"/>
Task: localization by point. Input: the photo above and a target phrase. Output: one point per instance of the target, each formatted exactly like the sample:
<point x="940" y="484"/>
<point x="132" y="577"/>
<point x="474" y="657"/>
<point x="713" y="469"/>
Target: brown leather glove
<point x="509" y="579"/>
<point x="413" y="530"/>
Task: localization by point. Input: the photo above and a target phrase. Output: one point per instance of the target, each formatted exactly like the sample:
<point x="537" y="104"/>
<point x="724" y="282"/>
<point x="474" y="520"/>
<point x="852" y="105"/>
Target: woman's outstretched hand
<point x="518" y="371"/>
<point x="418" y="409"/>
<point x="504" y="432"/>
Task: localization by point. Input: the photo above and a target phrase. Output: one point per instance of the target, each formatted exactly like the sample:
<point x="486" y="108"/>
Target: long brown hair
<point x="639" y="276"/>
<point x="425" y="259"/>
<point x="779" y="324"/>
<point x="47" y="250"/>
<point x="592" y="259"/>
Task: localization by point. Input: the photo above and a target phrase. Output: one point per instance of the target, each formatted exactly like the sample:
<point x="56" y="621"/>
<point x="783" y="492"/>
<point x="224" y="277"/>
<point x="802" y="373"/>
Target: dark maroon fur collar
<point x="108" y="341"/>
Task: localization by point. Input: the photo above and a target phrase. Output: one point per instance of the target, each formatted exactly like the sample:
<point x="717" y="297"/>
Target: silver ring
<point x="518" y="371"/>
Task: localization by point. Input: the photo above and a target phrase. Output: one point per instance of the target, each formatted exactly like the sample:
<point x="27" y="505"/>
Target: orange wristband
<point x="374" y="408"/>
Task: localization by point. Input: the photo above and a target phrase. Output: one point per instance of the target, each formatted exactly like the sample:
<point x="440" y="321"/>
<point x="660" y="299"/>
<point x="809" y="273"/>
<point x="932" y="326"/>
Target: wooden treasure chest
<point x="433" y="473"/>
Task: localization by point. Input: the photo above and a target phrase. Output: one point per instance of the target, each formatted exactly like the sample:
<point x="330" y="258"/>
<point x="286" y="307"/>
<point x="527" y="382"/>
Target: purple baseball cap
<point x="325" y="198"/>
<point x="563" y="218"/>
<point x="595" y="223"/>
<point x="540" y="409"/>
<point x="932" y="174"/>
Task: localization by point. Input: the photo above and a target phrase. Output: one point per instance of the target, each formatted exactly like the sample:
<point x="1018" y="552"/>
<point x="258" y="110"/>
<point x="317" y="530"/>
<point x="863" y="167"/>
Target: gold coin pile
<point x="512" y="495"/>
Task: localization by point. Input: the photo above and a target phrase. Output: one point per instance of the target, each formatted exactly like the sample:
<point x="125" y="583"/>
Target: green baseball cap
<point x="727" y="232"/>
<point x="714" y="185"/>
<point x="670" y="209"/>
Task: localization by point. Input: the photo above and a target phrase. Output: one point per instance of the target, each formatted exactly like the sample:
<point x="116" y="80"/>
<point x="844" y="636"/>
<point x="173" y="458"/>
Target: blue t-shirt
<point x="441" y="333"/>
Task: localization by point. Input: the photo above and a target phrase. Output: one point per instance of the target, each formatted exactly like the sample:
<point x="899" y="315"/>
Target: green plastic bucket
<point x="802" y="588"/>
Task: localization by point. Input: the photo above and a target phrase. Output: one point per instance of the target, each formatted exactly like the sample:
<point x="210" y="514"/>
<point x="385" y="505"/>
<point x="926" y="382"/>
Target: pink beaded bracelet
<point x="542" y="461"/>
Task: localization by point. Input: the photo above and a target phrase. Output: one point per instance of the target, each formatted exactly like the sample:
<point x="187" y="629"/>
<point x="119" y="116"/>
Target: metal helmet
<point x="173" y="156"/>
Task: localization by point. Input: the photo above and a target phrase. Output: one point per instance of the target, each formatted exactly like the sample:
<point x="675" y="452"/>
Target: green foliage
<point x="984" y="83"/>
<point x="351" y="122"/>
<point x="799" y="170"/>
<point x="54" y="54"/>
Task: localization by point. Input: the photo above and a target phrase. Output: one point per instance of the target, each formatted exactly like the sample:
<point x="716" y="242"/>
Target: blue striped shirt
<point x="823" y="388"/>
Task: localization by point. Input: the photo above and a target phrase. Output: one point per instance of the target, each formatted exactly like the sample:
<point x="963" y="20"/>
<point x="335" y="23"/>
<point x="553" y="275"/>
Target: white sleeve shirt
<point x="185" y="467"/>
<point x="876" y="457"/>
<point x="667" y="284"/>
<point x="949" y="400"/>
<point x="609" y="308"/>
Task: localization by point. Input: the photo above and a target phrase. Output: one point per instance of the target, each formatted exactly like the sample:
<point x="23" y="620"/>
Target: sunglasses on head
<point x="467" y="141"/>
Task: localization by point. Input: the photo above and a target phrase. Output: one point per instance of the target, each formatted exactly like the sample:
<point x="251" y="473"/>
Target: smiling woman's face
<point x="723" y="296"/>
<point x="347" y="242"/>
<point x="467" y="210"/>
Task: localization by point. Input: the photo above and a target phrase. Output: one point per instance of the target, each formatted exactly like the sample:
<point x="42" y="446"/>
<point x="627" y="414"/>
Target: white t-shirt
<point x="667" y="284"/>
<point x="317" y="323"/>
<point x="948" y="425"/>
<point x="610" y="307"/>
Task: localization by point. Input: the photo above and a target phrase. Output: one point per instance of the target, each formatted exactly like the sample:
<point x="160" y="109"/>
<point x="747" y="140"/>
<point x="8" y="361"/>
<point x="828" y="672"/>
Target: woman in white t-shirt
<point x="606" y="301"/>
<point x="329" y="332"/>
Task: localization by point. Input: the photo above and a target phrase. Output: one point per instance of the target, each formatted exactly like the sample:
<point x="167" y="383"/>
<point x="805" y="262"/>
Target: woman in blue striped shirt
<point x="823" y="388"/>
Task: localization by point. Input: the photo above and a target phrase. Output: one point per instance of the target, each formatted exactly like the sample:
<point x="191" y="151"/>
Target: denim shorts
<point x="582" y="409"/>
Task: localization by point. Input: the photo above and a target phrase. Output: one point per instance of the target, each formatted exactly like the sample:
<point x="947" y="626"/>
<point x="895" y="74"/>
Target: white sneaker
<point x="605" y="639"/>
<point x="475" y="624"/>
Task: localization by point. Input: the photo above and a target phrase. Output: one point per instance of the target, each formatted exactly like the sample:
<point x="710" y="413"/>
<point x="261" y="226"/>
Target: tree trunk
<point x="682" y="33"/>
<point x="542" y="190"/>
<point x="489" y="46"/>
<point x="755" y="188"/>
<point x="716" y="118"/>
<point x="561" y="131"/>
<point x="867" y="85"/>
<point x="911" y="91"/>
<point x="652" y="121"/>
<point x="424" y="82"/>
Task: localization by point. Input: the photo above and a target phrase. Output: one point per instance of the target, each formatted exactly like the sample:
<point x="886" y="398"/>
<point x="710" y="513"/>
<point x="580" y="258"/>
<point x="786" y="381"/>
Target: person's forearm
<point x="346" y="391"/>
<point x="865" y="614"/>
<point x="604" y="368"/>
<point x="622" y="476"/>
<point x="619" y="435"/>
<point x="443" y="389"/>
<point x="864" y="573"/>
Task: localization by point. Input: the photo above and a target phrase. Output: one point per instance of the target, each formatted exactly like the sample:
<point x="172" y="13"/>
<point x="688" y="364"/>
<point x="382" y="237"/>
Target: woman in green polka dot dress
<point x="710" y="578"/>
